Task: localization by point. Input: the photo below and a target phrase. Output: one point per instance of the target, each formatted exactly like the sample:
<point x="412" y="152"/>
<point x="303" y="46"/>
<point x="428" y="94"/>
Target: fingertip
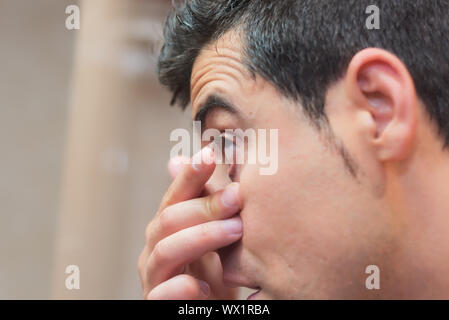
<point x="233" y="226"/>
<point x="205" y="157"/>
<point x="176" y="164"/>
<point x="230" y="196"/>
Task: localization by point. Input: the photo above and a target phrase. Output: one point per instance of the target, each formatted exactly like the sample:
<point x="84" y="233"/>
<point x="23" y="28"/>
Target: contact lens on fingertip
<point x="206" y="156"/>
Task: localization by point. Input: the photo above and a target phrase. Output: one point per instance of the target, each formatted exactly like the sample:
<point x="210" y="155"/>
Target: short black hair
<point x="303" y="46"/>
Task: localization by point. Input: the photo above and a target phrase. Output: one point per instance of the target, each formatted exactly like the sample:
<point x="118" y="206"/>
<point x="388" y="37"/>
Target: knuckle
<point x="152" y="232"/>
<point x="208" y="208"/>
<point x="165" y="220"/>
<point x="167" y="197"/>
<point x="149" y="231"/>
<point x="140" y="263"/>
<point x="159" y="254"/>
<point x="204" y="232"/>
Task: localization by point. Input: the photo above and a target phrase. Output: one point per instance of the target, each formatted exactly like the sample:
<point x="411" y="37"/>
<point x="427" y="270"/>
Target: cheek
<point x="276" y="206"/>
<point x="307" y="215"/>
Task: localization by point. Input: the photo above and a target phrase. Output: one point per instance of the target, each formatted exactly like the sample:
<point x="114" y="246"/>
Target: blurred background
<point x="84" y="136"/>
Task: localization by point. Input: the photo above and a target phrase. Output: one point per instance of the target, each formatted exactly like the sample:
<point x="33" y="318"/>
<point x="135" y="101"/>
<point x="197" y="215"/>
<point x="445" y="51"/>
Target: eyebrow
<point x="212" y="103"/>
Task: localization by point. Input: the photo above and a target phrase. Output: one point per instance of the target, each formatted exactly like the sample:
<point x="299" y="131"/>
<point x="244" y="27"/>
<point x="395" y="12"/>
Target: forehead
<point x="219" y="69"/>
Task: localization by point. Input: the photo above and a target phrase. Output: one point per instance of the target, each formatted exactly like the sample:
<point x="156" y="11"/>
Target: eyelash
<point x="225" y="153"/>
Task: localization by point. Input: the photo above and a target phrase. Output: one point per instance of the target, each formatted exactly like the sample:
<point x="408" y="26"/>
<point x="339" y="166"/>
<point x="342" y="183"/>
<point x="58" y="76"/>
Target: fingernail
<point x="204" y="156"/>
<point x="230" y="196"/>
<point x="204" y="287"/>
<point x="233" y="226"/>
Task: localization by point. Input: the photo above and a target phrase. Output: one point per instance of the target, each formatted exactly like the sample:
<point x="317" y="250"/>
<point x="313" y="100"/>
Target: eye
<point x="230" y="153"/>
<point x="229" y="150"/>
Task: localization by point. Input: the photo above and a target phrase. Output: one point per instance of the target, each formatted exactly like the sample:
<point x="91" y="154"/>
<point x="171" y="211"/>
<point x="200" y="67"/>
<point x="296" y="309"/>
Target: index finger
<point x="189" y="183"/>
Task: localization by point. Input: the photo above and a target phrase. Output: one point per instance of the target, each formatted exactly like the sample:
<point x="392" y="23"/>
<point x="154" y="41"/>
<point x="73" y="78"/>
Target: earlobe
<point x="377" y="82"/>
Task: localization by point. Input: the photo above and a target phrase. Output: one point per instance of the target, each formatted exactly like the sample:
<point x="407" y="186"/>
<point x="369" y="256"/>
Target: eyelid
<point x="234" y="138"/>
<point x="229" y="159"/>
<point x="222" y="141"/>
<point x="230" y="135"/>
<point x="227" y="137"/>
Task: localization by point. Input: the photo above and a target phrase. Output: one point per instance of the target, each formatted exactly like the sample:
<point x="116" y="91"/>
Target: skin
<point x="310" y="230"/>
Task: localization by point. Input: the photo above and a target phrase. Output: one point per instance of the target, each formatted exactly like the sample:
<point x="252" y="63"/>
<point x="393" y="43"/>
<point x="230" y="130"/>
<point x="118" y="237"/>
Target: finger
<point x="141" y="264"/>
<point x="218" y="181"/>
<point x="221" y="205"/>
<point x="176" y="164"/>
<point x="181" y="287"/>
<point x="218" y="206"/>
<point x="188" y="245"/>
<point x="189" y="183"/>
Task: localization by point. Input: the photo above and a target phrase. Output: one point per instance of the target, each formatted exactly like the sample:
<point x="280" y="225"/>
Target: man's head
<point x="360" y="113"/>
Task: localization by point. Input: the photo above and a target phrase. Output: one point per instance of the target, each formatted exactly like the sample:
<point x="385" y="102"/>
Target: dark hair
<point x="303" y="46"/>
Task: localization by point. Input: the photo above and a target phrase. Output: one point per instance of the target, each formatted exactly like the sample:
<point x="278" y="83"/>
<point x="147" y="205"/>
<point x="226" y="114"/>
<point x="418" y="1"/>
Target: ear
<point x="379" y="83"/>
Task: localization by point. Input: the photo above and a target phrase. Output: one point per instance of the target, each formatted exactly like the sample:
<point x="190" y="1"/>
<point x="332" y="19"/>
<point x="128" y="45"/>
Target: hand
<point x="178" y="261"/>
